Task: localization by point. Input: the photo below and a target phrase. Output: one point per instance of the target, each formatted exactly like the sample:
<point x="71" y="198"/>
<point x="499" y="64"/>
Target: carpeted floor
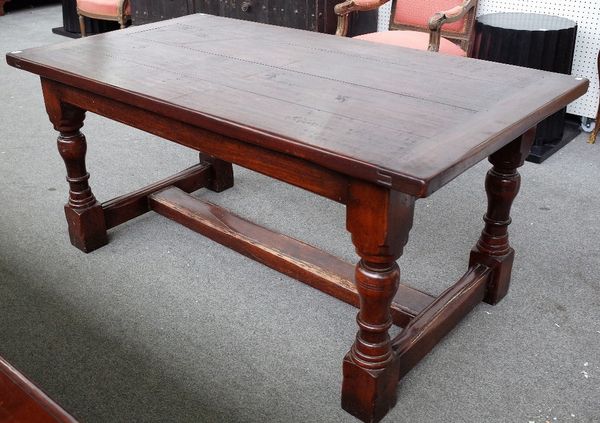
<point x="163" y="325"/>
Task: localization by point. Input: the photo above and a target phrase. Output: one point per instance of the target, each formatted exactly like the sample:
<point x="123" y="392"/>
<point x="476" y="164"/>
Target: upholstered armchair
<point x="435" y="25"/>
<point x="107" y="10"/>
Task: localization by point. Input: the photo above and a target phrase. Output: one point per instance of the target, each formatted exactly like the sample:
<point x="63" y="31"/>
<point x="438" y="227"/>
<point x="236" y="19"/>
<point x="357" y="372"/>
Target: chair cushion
<point x="412" y="39"/>
<point x="102" y="7"/>
<point x="417" y="13"/>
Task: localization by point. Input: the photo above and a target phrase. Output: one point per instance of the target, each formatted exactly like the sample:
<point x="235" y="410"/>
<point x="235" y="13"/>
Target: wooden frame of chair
<point x="2" y="6"/>
<point x="594" y="134"/>
<point x="434" y="26"/>
<point x="121" y="16"/>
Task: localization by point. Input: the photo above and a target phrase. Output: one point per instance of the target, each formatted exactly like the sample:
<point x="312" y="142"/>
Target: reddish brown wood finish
<point x="85" y="218"/>
<point x="23" y="402"/>
<point x="337" y="103"/>
<point x="126" y="207"/>
<point x="379" y="221"/>
<point x="502" y="186"/>
<point x="301" y="261"/>
<point x="283" y="167"/>
<point x="221" y="173"/>
<point x="433" y="323"/>
<point x="347" y="120"/>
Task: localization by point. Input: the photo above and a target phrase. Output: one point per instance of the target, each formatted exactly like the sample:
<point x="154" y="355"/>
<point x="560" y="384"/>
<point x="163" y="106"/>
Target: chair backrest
<point x="414" y="15"/>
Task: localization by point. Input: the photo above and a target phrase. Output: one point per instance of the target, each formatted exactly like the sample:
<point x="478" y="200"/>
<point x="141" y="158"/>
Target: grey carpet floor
<point x="163" y="325"/>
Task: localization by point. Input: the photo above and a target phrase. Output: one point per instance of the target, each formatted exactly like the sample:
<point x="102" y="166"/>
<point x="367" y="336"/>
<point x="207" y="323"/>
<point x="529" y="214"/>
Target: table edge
<point x="419" y="186"/>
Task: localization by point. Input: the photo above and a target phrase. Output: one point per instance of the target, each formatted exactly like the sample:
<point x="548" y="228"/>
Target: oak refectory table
<point x="370" y="126"/>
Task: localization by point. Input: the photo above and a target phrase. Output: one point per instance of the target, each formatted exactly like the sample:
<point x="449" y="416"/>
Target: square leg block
<point x="87" y="228"/>
<point x="369" y="394"/>
<point x="501" y="269"/>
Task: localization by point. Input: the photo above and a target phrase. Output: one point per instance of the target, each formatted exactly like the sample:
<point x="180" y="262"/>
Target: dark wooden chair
<point x="435" y="25"/>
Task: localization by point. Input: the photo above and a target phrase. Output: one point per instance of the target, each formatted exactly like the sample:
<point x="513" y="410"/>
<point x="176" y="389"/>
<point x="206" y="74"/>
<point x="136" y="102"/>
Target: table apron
<point x="281" y="166"/>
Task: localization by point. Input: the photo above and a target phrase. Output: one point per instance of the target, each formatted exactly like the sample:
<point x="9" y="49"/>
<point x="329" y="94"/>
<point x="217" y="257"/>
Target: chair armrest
<point x="344" y="9"/>
<point x="443" y="17"/>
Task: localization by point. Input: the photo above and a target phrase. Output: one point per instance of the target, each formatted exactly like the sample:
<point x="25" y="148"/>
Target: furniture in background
<point x="23" y="402"/>
<point x="535" y="41"/>
<point x="315" y="15"/>
<point x="71" y="23"/>
<point x="317" y="112"/>
<point x="422" y="24"/>
<point x="585" y="13"/>
<point x="594" y="133"/>
<point x="105" y="10"/>
<point x="2" y="6"/>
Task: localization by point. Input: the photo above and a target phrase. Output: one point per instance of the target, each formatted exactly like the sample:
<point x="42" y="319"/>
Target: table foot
<point x="499" y="281"/>
<point x="221" y="173"/>
<point x="502" y="186"/>
<point x="369" y="394"/>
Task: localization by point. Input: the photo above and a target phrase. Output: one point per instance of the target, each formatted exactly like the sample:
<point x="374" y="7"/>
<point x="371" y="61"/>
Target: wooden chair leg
<point x="502" y="185"/>
<point x="594" y="133"/>
<point x="379" y="221"/>
<point x="82" y="25"/>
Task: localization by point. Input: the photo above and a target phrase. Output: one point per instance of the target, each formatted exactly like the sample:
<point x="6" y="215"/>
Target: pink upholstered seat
<point x="412" y="39"/>
<point x="418" y="24"/>
<point x="417" y="13"/>
<point x="102" y="7"/>
<point x="110" y="10"/>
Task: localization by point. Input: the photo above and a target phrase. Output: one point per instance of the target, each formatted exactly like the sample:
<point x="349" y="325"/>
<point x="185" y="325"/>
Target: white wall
<point x="587" y="15"/>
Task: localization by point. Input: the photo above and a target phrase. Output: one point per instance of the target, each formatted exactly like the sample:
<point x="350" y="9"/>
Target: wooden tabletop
<point x="402" y="118"/>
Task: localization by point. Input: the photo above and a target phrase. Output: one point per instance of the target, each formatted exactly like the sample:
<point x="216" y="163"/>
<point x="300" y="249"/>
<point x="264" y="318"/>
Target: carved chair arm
<point x="344" y="9"/>
<point x="444" y="17"/>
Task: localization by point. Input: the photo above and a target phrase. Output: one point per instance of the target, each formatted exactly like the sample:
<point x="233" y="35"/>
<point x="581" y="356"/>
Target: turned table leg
<point x="502" y="186"/>
<point x="379" y="221"/>
<point x="85" y="217"/>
